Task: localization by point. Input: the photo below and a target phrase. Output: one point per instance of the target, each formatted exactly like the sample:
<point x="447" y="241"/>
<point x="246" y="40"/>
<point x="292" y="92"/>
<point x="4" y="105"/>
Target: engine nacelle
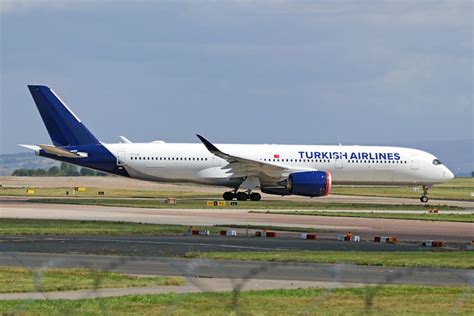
<point x="309" y="183"/>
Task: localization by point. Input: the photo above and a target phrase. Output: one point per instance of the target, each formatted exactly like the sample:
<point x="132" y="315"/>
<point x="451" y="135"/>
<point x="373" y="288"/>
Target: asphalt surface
<point x="180" y="245"/>
<point x="244" y="270"/>
<point x="367" y="228"/>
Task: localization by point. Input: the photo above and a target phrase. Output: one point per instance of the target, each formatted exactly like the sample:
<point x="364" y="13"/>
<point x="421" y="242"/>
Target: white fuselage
<point x="168" y="162"/>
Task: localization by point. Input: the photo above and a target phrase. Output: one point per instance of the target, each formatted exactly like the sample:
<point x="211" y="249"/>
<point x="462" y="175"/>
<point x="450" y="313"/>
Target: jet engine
<point x="309" y="183"/>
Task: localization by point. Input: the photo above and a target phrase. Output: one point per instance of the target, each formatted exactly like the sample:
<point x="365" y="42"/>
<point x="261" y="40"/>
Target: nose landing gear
<point x="241" y="196"/>
<point x="424" y="197"/>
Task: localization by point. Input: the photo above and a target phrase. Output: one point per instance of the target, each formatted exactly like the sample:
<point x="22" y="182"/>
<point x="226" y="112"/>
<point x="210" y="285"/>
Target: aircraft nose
<point x="447" y="174"/>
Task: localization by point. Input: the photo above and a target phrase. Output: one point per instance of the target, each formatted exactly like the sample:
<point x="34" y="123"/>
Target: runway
<point x="244" y="269"/>
<point x="367" y="228"/>
<point x="180" y="245"/>
<point x="158" y="255"/>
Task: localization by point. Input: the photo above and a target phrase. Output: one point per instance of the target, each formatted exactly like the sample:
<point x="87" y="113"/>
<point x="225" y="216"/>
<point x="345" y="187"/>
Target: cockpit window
<point x="436" y="162"/>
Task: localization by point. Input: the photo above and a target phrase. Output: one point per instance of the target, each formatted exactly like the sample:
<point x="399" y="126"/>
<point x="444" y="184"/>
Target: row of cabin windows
<point x="328" y="160"/>
<point x="377" y="161"/>
<point x="169" y="158"/>
<point x="269" y="160"/>
<point x="295" y="160"/>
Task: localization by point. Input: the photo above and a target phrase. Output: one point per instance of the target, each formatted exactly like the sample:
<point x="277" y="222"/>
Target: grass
<point x="268" y="204"/>
<point x="15" y="280"/>
<point x="456" y="189"/>
<point x="381" y="300"/>
<point x="17" y="227"/>
<point x="451" y="259"/>
<point x="108" y="193"/>
<point x="468" y="218"/>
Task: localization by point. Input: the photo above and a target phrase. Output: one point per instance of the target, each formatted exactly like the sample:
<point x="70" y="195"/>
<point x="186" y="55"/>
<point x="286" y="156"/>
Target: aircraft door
<point x="121" y="158"/>
<point x="338" y="164"/>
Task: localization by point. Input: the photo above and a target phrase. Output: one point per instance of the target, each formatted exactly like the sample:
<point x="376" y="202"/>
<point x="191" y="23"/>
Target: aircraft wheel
<point x="424" y="199"/>
<point x="228" y="196"/>
<point x="242" y="196"/>
<point x="255" y="197"/>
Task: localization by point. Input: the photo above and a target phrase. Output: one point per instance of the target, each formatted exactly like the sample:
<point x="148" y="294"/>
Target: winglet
<point x="213" y="149"/>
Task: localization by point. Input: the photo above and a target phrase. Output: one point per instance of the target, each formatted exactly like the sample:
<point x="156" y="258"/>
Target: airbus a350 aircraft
<point x="274" y="169"/>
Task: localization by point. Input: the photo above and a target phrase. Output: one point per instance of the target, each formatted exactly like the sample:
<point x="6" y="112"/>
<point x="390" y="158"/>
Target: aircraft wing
<point x="241" y="166"/>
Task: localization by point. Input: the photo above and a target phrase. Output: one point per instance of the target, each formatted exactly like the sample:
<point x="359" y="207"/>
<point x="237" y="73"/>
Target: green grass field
<point x="108" y="193"/>
<point x="18" y="227"/>
<point x="382" y="300"/>
<point x="457" y="189"/>
<point x="468" y="218"/>
<point x="15" y="280"/>
<point x="268" y="204"/>
<point x="438" y="259"/>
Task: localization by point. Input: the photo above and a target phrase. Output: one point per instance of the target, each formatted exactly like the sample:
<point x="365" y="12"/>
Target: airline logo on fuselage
<point x="349" y="155"/>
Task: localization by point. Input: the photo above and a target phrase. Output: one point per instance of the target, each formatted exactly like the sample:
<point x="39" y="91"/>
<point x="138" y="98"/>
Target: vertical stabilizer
<point x="64" y="127"/>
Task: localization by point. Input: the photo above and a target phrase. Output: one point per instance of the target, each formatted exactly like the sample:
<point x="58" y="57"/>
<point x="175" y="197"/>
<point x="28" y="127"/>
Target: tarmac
<point x="367" y="228"/>
<point x="244" y="270"/>
<point x="158" y="255"/>
<point x="180" y="245"/>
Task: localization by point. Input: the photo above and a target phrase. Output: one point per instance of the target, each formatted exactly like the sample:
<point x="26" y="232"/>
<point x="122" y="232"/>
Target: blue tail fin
<point x="64" y="127"/>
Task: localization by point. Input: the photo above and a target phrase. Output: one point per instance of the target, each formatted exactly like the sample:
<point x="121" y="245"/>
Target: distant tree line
<point x="65" y="170"/>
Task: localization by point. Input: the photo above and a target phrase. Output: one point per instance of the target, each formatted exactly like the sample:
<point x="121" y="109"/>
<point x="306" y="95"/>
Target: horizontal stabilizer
<point x="62" y="152"/>
<point x="32" y="147"/>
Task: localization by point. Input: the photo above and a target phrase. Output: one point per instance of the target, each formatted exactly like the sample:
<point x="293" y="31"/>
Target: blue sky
<point x="315" y="72"/>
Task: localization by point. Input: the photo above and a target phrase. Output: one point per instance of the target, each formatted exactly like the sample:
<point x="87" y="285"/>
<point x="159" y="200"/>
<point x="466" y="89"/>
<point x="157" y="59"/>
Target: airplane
<point x="303" y="170"/>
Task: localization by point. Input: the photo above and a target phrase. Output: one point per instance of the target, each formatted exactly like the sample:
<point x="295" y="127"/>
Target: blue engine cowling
<point x="309" y="183"/>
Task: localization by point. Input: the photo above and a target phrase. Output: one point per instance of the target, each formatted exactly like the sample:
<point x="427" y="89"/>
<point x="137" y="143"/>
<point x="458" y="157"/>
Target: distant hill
<point x="11" y="162"/>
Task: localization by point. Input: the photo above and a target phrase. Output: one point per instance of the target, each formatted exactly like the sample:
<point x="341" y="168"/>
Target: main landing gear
<point x="424" y="197"/>
<point x="241" y="196"/>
